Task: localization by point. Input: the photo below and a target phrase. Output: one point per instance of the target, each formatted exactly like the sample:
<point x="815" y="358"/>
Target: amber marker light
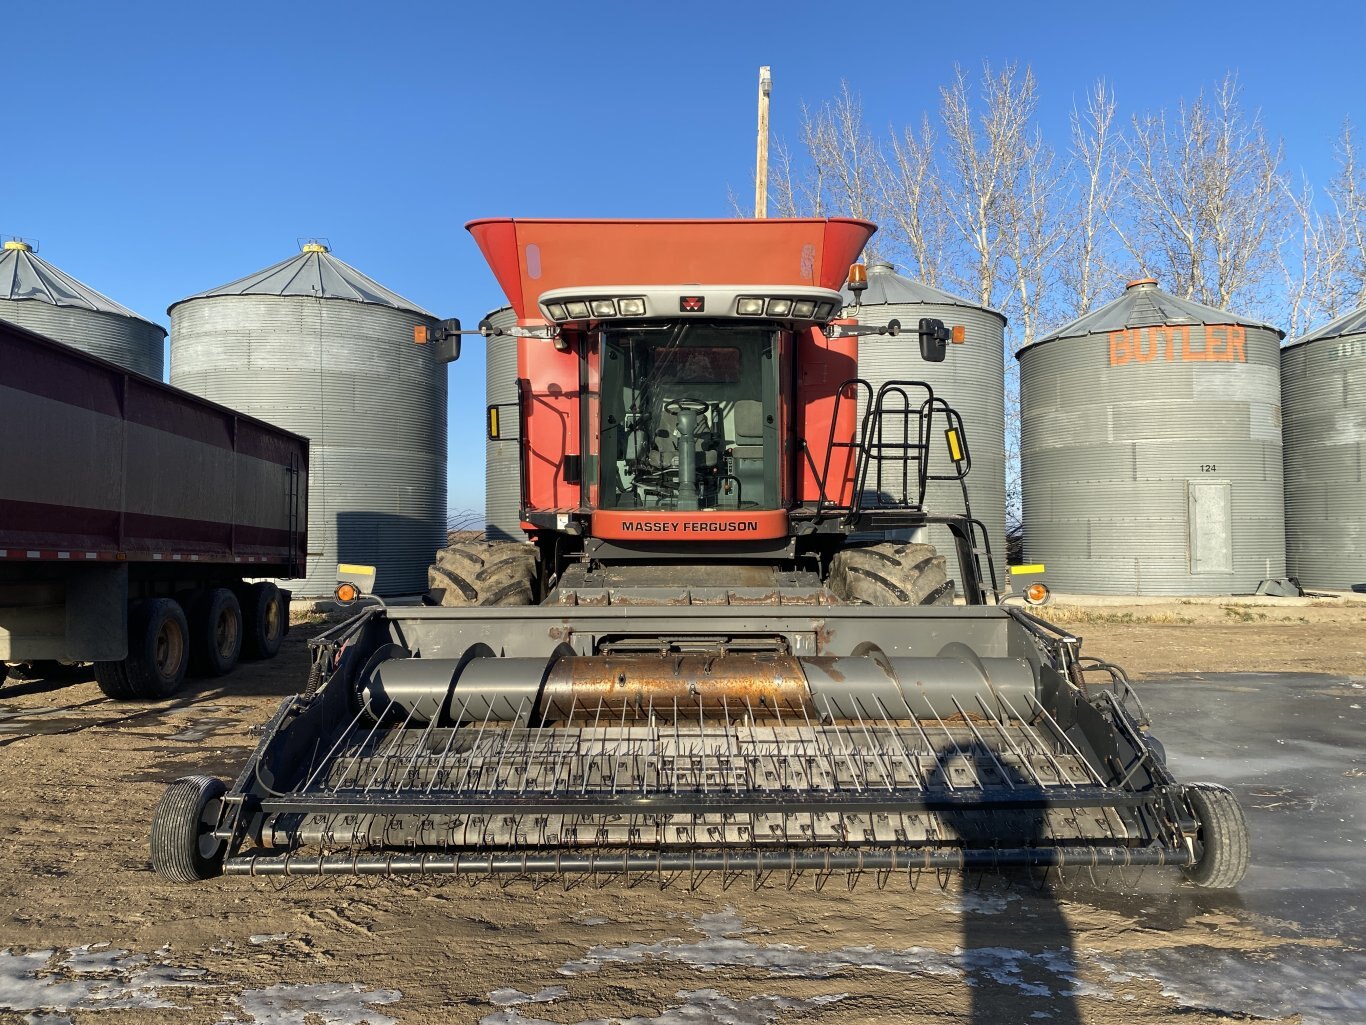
<point x="959" y="335"/>
<point x="420" y="334"/>
<point x="346" y="593"/>
<point x="858" y="277"/>
<point x="1036" y="594"/>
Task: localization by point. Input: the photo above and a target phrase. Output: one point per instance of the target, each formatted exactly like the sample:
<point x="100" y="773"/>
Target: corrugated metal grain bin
<point x="36" y="295"/>
<point x="971" y="378"/>
<point x="1323" y="388"/>
<point x="1150" y="449"/>
<point x="502" y="465"/>
<point x="315" y="346"/>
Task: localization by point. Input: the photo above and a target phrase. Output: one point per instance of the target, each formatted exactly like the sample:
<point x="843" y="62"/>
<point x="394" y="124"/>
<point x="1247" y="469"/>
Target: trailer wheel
<point x="215" y="619"/>
<point x="184" y="849"/>
<point x="1222" y="839"/>
<point x="158" y="653"/>
<point x="891" y="573"/>
<point x="264" y="620"/>
<point x="483" y="573"/>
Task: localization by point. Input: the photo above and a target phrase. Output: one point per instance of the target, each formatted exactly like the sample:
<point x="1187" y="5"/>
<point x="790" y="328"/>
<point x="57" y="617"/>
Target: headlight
<point x="750" y="307"/>
<point x="631" y="307"/>
<point x="804" y="310"/>
<point x="604" y="308"/>
<point x="779" y="307"/>
<point x="556" y="311"/>
<point x="577" y="310"/>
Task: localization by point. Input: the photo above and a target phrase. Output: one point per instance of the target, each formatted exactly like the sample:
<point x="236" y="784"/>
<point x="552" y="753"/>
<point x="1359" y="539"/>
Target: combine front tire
<point x="1222" y="840"/>
<point x="184" y="849"/>
<point x="158" y="653"/>
<point x="483" y="573"/>
<point x="891" y="573"/>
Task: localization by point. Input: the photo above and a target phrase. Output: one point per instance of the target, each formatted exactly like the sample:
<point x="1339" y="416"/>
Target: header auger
<point x="701" y="663"/>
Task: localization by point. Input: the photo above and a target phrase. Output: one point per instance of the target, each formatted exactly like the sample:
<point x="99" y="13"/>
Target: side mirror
<point x="445" y="338"/>
<point x="934" y="339"/>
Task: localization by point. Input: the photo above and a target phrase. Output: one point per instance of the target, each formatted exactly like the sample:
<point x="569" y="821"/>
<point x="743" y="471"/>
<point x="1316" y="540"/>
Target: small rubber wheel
<point x="215" y="620"/>
<point x="158" y="653"/>
<point x="265" y="618"/>
<point x="184" y="849"/>
<point x="1222" y="840"/>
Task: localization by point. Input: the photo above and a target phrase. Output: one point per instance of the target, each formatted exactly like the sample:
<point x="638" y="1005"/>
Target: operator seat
<point x="665" y="442"/>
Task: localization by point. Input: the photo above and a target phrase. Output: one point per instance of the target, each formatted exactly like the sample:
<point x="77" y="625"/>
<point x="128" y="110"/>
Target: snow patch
<point x="262" y="938"/>
<point x="510" y="997"/>
<point x="699" y="1005"/>
<point x="96" y="977"/>
<point x="330" y="1003"/>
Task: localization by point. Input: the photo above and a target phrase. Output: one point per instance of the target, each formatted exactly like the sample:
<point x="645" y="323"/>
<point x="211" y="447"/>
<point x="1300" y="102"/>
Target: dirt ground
<point x="89" y="935"/>
<point x="1318" y="637"/>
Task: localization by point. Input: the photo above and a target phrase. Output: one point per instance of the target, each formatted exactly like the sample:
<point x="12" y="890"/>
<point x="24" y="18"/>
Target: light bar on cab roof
<point x="792" y="303"/>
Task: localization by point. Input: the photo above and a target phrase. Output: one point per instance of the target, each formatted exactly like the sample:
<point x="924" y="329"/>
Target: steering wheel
<point x="695" y="405"/>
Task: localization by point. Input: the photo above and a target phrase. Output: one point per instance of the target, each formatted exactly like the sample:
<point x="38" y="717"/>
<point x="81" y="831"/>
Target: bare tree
<point x="1206" y="199"/>
<point x="1087" y="266"/>
<point x="1345" y="277"/>
<point x="912" y="200"/>
<point x="846" y="161"/>
<point x="979" y="149"/>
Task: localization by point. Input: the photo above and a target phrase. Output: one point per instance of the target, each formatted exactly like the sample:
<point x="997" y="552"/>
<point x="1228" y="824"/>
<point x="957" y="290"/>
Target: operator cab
<point x="689" y="416"/>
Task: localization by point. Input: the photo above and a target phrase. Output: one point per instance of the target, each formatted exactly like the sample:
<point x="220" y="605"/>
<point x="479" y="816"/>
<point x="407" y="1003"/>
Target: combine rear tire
<point x="1222" y="839"/>
<point x="483" y="573"/>
<point x="265" y="618"/>
<point x="184" y="849"/>
<point x="215" y="619"/>
<point x="891" y="573"/>
<point x="158" y="653"/>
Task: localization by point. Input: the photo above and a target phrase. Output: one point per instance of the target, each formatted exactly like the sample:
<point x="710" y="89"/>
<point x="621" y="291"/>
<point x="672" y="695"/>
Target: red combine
<point x="711" y="657"/>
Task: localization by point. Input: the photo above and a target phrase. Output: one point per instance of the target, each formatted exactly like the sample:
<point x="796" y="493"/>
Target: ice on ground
<point x="699" y="1005"/>
<point x="510" y="997"/>
<point x="722" y="946"/>
<point x="306" y="1004"/>
<point x="95" y="977"/>
<point x="1324" y="986"/>
<point x="976" y="903"/>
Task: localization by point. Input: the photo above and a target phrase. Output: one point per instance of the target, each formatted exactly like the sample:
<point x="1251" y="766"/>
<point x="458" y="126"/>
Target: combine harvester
<point x="701" y="664"/>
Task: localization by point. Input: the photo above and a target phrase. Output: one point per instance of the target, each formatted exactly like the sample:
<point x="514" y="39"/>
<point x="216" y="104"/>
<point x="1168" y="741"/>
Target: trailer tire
<point x="1222" y="837"/>
<point x="215" y="619"/>
<point x="183" y="847"/>
<point x="483" y="573"/>
<point x="158" y="653"/>
<point x="265" y="620"/>
<point x="891" y="573"/>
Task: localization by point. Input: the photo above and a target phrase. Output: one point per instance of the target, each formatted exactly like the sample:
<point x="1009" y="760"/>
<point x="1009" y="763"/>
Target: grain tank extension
<point x="695" y="665"/>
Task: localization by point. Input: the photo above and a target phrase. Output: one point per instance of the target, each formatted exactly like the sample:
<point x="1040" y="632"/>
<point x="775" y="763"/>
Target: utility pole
<point x="761" y="166"/>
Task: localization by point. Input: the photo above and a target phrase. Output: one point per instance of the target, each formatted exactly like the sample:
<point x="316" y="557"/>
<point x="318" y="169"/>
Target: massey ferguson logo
<point x="689" y="527"/>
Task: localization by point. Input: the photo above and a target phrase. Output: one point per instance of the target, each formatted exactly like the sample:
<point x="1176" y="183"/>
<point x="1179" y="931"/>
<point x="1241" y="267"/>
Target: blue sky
<point x="159" y="149"/>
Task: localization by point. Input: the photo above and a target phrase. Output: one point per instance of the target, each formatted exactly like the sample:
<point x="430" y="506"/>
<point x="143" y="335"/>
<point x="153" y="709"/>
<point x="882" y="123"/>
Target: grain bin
<point x="36" y="295"/>
<point x="971" y="378"/>
<point x="502" y="462"/>
<point x="313" y="345"/>
<point x="1323" y="388"/>
<point x="1150" y="449"/>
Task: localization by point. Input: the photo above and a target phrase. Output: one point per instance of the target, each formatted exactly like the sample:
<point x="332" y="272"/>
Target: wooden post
<point x="761" y="166"/>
